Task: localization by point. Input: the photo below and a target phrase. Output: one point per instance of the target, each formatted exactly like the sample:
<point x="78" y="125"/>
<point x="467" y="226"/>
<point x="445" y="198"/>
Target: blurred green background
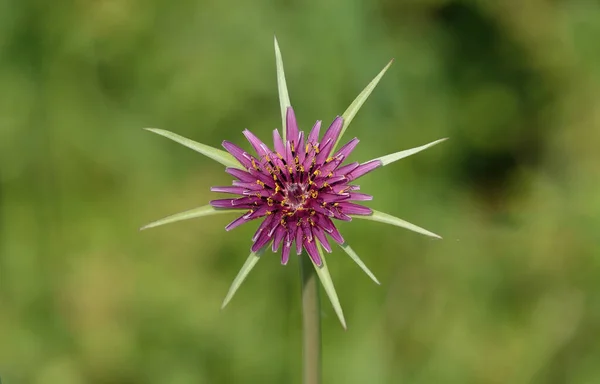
<point x="511" y="295"/>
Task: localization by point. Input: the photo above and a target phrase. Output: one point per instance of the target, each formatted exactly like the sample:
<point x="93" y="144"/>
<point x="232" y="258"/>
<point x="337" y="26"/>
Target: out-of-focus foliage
<point x="511" y="295"/>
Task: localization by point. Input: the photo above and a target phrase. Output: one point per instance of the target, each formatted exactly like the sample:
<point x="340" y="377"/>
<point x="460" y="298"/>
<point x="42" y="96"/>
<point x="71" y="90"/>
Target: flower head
<point x="298" y="188"/>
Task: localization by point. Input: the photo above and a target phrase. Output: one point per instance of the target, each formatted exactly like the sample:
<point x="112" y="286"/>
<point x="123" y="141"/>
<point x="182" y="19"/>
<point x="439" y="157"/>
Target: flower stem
<point x="311" y="322"/>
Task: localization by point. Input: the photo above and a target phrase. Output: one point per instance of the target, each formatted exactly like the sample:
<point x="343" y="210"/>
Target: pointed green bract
<point x="284" y="97"/>
<point x="389" y="219"/>
<point x="218" y="155"/>
<point x="358" y="102"/>
<point x="388" y="159"/>
<point x="359" y="262"/>
<point x="325" y="277"/>
<point x="206" y="210"/>
<point x="242" y="274"/>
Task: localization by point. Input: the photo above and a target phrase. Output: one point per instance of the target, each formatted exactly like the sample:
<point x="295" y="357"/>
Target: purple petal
<point x="327" y="225"/>
<point x="313" y="252"/>
<point x="363" y="169"/>
<point x="348" y="148"/>
<point x="300" y="150"/>
<point x="324" y="150"/>
<point x="266" y="223"/>
<point x="333" y="198"/>
<point x="255" y="213"/>
<point x="262" y="240"/>
<point x="340" y="215"/>
<point x="298" y="240"/>
<point x="243" y="201"/>
<point x="319" y="234"/>
<point x="335" y="179"/>
<point x="278" y="236"/>
<point x="333" y="131"/>
<point x="233" y="190"/>
<point x="241" y="175"/>
<point x="329" y="166"/>
<point x="321" y="210"/>
<point x="260" y="147"/>
<point x="346" y="168"/>
<point x="236" y="223"/>
<point x="222" y="203"/>
<point x="313" y="136"/>
<point x="291" y="126"/>
<point x="278" y="142"/>
<point x="360" y="196"/>
<point x="263" y="177"/>
<point x="355" y="209"/>
<point x="285" y="252"/>
<point x="242" y="156"/>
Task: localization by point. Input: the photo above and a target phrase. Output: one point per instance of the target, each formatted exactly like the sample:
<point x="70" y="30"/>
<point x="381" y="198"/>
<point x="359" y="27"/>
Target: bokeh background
<point x="511" y="295"/>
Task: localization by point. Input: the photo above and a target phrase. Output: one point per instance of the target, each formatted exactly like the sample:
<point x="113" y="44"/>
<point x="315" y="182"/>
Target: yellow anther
<point x="329" y="160"/>
<point x="314" y="194"/>
<point x="317" y="172"/>
<point x="270" y="202"/>
<point x="260" y="183"/>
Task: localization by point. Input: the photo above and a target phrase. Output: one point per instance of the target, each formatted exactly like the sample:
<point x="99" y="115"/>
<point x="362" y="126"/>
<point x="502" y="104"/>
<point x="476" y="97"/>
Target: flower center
<point x="295" y="195"/>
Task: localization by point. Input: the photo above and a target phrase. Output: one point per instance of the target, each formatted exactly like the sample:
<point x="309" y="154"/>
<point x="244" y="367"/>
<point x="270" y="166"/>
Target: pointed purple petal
<point x="260" y="147"/>
<point x="348" y="148"/>
<point x="285" y="252"/>
<point x="261" y="228"/>
<point x="278" y="236"/>
<point x="360" y="196"/>
<point x="236" y="223"/>
<point x="222" y="203"/>
<point x="291" y="126"/>
<point x="333" y="131"/>
<point x="355" y="209"/>
<point x="333" y="198"/>
<point x="327" y="225"/>
<point x="324" y="150"/>
<point x="259" y="212"/>
<point x="242" y="156"/>
<point x="313" y="252"/>
<point x="263" y="239"/>
<point x="241" y="175"/>
<point x="233" y="190"/>
<point x="319" y="234"/>
<point x="298" y="240"/>
<point x="363" y="169"/>
<point x="278" y="142"/>
<point x="313" y="136"/>
<point x="343" y="170"/>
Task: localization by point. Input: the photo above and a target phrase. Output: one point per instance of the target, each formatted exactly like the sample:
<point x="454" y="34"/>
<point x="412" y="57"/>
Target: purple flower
<point x="299" y="188"/>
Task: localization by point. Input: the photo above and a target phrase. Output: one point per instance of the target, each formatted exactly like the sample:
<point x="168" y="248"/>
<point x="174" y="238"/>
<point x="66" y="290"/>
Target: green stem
<point x="311" y="322"/>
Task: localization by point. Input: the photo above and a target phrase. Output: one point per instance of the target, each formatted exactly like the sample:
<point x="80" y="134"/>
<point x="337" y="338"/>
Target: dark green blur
<point x="511" y="295"/>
